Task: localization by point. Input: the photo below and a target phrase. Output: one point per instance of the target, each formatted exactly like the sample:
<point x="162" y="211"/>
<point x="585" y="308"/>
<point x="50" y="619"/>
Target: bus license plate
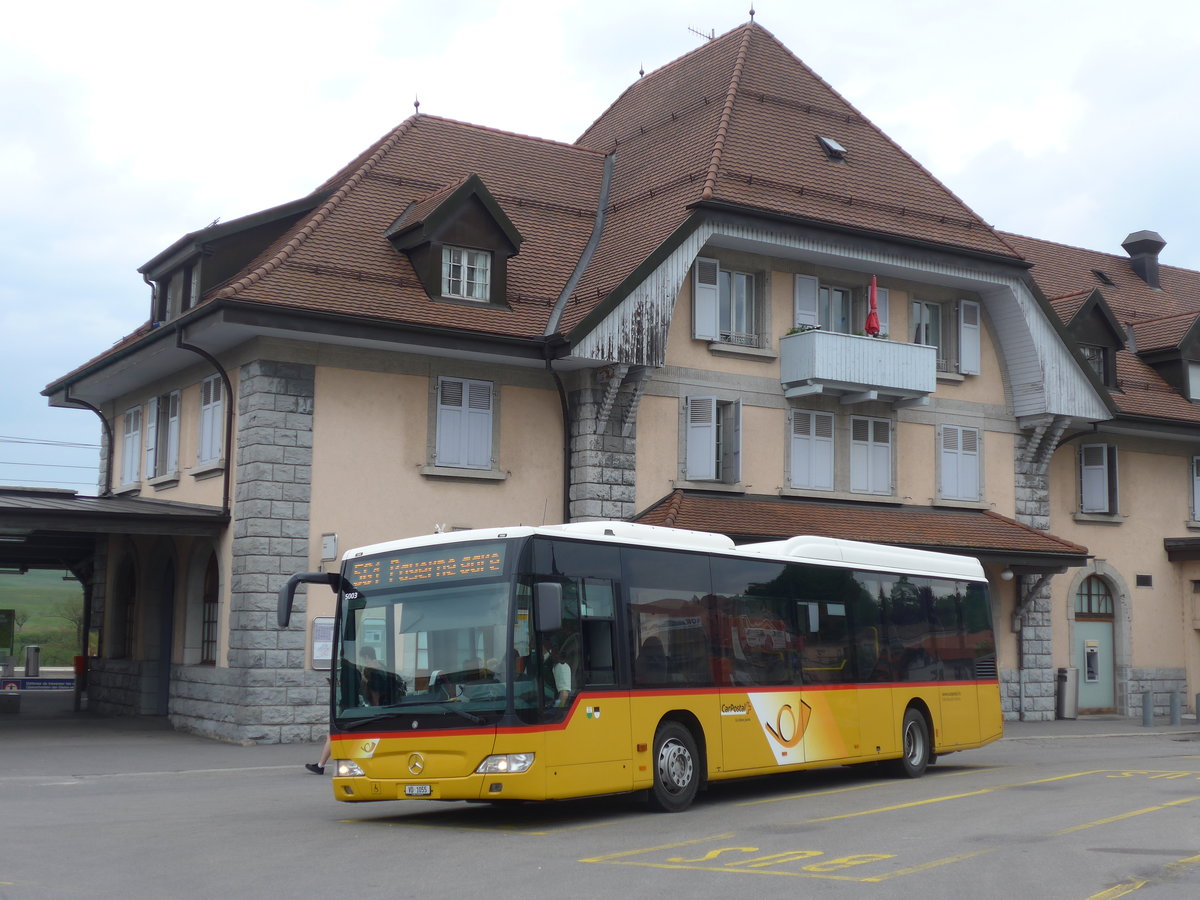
<point x="417" y="790"/>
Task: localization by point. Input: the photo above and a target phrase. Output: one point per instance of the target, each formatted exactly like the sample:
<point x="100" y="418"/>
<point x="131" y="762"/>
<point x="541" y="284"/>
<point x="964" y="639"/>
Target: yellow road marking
<point x="918" y="803"/>
<point x="932" y="864"/>
<point x="1170" y="871"/>
<point x="611" y="856"/>
<point x="1128" y="815"/>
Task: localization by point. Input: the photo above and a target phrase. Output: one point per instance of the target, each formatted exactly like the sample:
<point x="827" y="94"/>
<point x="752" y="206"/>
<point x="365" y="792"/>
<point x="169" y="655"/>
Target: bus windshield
<point x="422" y="635"/>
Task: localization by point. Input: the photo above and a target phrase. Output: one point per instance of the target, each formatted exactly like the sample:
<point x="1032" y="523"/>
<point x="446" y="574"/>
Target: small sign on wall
<point x="322" y="642"/>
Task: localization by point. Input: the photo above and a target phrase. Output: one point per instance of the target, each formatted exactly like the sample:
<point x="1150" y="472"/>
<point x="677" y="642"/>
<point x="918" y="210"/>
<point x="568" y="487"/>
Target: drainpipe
<point x="227" y="475"/>
<point x="566" y="420"/>
<point x="108" y="437"/>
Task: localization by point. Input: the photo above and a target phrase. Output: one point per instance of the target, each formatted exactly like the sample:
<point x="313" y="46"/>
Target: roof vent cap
<point x="1143" y="248"/>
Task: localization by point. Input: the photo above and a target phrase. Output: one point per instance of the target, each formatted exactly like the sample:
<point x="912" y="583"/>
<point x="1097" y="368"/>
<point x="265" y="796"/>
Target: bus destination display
<point x="433" y="564"/>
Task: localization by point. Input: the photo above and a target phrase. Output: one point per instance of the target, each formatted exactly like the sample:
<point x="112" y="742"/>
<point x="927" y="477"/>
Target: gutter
<point x="226" y="475"/>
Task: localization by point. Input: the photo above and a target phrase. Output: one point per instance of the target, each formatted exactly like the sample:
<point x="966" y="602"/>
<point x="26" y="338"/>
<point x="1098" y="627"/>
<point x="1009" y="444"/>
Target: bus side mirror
<point x="548" y="598"/>
<point x="287" y="593"/>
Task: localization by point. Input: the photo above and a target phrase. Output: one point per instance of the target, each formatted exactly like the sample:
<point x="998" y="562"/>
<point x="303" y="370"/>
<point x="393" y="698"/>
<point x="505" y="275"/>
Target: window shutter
<point x="968" y="337"/>
<point x="870" y="456"/>
<point x="211" y="419"/>
<point x="806" y="313"/>
<point x="464" y="424"/>
<point x="706" y="300"/>
<point x="451" y="426"/>
<point x="152" y="438"/>
<point x="1093" y="478"/>
<point x="1195" y="488"/>
<point x="812" y="450"/>
<point x="881" y="456"/>
<point x="731" y="462"/>
<point x="881" y="307"/>
<point x="959" y="463"/>
<point x="479" y="425"/>
<point x="131" y="445"/>
<point x="701" y="449"/>
<point x="172" y="459"/>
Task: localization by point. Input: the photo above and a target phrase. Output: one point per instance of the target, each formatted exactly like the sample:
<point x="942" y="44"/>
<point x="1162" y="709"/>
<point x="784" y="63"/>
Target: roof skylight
<point x="832" y="148"/>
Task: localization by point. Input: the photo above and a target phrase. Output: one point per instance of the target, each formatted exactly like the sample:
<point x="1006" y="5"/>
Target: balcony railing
<point x="856" y="368"/>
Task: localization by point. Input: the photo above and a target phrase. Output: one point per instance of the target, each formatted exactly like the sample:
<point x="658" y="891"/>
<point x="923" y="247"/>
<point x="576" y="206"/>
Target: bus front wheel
<point x="914" y="746"/>
<point x="676" y="772"/>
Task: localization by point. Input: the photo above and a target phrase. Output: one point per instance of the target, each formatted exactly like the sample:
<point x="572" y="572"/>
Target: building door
<point x="1093" y="651"/>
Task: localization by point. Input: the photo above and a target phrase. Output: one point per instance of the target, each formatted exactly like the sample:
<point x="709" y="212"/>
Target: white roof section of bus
<point x="861" y="555"/>
<point x="804" y="548"/>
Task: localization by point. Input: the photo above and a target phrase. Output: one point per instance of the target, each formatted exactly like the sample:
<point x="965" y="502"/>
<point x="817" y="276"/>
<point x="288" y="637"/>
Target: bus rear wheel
<point x="914" y="746"/>
<point x="676" y="774"/>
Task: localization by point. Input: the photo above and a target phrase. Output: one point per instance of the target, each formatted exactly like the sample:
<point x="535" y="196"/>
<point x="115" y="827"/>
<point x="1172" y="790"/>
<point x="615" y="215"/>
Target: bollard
<point x="1176" y="711"/>
<point x="1147" y="708"/>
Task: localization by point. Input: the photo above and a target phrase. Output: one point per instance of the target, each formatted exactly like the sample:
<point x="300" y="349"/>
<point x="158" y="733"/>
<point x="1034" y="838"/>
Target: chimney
<point x="1143" y="248"/>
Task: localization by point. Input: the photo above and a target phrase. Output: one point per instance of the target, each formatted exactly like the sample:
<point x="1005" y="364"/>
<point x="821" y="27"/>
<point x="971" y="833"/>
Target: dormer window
<point x="1100" y="361"/>
<point x="466" y="274"/>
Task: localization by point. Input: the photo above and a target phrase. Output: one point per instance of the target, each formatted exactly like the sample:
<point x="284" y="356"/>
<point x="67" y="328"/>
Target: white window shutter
<point x="706" y="300"/>
<point x="1093" y="478"/>
<point x="152" y="438"/>
<point x="812" y="450"/>
<point x="806" y="313"/>
<point x="959" y="463"/>
<point x="131" y="445"/>
<point x="701" y="446"/>
<point x="881" y="456"/>
<point x="479" y="425"/>
<point x="968" y="337"/>
<point x="881" y="308"/>
<point x="860" y="455"/>
<point x="211" y="419"/>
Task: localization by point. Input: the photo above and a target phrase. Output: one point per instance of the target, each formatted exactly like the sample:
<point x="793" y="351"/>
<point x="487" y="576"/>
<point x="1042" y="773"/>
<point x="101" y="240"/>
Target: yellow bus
<point x="538" y="663"/>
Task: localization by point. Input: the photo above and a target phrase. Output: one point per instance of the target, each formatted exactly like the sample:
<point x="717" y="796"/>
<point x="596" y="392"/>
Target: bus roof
<point x="803" y="548"/>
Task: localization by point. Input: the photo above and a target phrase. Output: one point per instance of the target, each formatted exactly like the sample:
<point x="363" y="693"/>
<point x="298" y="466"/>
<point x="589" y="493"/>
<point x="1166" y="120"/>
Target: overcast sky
<point x="127" y="124"/>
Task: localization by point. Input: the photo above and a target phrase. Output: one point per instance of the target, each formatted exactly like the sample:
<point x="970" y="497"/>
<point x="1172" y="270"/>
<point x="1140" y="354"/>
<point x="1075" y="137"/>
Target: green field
<point x="48" y="609"/>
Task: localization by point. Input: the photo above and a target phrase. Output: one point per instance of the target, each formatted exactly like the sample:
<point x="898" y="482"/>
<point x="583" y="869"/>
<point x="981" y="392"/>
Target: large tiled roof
<point x="968" y="531"/>
<point x="1158" y="317"/>
<point x="338" y="260"/>
<point x="736" y="122"/>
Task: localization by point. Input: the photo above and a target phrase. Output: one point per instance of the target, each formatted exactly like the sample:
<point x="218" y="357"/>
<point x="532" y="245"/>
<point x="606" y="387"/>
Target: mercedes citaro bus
<point x="537" y="663"/>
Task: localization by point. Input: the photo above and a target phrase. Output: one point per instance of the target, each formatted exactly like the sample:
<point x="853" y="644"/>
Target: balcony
<point x="857" y="368"/>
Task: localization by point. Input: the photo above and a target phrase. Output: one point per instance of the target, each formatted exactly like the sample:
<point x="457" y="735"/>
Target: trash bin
<point x="33" y="661"/>
<point x="1067" y="696"/>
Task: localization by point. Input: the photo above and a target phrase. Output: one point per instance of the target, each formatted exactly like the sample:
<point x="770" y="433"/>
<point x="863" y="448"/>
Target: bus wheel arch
<point x="678" y="761"/>
<point x="916" y="742"/>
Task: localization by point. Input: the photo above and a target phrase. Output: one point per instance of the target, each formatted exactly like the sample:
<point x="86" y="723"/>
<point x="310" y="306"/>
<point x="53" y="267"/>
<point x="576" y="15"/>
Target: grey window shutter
<point x="701" y="448"/>
<point x="706" y="299"/>
<point x="968" y="337"/>
<point x="805" y="305"/>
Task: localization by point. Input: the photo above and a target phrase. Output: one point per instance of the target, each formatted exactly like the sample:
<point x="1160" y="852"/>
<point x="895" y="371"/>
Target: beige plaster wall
<point x="376" y="426"/>
<point x="1154" y="503"/>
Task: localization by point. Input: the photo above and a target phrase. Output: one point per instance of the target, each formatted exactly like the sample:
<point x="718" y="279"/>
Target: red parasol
<point x="872" y="326"/>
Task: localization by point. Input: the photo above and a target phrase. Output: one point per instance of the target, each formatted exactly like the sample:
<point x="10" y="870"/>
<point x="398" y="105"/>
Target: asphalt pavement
<point x="48" y="732"/>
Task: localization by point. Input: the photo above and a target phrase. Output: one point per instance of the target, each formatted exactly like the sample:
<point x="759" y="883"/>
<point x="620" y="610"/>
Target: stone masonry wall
<point x="603" y="459"/>
<point x="265" y="695"/>
<point x="1036" y="681"/>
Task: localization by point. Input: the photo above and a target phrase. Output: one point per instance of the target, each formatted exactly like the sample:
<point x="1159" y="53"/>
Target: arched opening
<point x="1094" y="650"/>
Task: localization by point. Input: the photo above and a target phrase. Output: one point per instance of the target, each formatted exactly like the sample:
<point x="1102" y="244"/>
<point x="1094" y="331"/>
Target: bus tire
<point x="914" y="746"/>
<point x="676" y="768"/>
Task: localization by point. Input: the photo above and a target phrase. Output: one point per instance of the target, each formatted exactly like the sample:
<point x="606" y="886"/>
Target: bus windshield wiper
<point x="469" y="716"/>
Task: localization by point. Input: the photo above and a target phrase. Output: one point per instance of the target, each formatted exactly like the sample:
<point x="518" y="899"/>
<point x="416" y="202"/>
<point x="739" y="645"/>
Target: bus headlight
<point x="505" y="764"/>
<point x="347" y="768"/>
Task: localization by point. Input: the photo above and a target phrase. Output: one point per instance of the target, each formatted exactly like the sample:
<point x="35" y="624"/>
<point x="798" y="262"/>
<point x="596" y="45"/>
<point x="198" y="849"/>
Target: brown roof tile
<point x="949" y="530"/>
